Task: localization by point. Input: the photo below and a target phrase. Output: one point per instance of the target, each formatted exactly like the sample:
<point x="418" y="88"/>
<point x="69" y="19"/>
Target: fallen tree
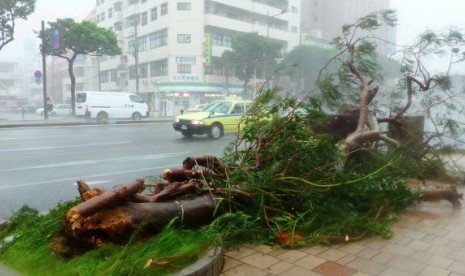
<point x="279" y="181"/>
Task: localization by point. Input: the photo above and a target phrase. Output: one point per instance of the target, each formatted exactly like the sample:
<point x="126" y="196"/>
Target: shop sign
<point x="185" y="60"/>
<point x="185" y="77"/>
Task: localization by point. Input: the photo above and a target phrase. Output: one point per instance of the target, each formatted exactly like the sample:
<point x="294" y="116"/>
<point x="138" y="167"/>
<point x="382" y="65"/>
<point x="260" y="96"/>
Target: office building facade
<point x="176" y="61"/>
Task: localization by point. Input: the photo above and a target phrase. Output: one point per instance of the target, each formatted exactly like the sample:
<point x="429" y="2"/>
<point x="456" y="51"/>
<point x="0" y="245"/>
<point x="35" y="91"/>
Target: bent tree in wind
<point x="10" y="11"/>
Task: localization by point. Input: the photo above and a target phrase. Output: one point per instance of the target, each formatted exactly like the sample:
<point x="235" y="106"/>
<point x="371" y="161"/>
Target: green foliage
<point x="245" y="61"/>
<point x="295" y="184"/>
<point x="84" y="38"/>
<point x="67" y="39"/>
<point x="28" y="251"/>
<point x="10" y="12"/>
<point x="303" y="65"/>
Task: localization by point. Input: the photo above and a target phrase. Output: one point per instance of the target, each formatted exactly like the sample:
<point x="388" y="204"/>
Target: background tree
<point x="251" y="54"/>
<point x="67" y="39"/>
<point x="356" y="84"/>
<point x="303" y="64"/>
<point x="10" y="11"/>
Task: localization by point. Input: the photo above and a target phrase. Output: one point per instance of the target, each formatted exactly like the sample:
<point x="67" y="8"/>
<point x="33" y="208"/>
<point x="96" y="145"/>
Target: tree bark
<point x="106" y="200"/>
<point x="122" y="220"/>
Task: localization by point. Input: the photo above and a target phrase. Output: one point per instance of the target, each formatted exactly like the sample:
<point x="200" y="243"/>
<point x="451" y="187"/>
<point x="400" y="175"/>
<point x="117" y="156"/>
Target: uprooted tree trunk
<point x="367" y="130"/>
<point x="121" y="220"/>
<point x="115" y="214"/>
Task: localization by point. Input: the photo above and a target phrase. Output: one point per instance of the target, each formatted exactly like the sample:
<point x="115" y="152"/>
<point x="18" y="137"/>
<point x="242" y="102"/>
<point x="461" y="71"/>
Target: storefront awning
<point x="197" y="87"/>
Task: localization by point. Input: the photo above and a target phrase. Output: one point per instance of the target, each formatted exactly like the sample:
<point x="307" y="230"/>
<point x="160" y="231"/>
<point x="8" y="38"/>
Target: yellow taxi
<point x="216" y="119"/>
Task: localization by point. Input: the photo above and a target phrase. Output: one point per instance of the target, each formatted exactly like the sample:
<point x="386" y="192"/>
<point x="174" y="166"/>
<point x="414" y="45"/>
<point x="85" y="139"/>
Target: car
<point x="25" y="109"/>
<point x="57" y="110"/>
<point x="196" y="108"/>
<point x="216" y="119"/>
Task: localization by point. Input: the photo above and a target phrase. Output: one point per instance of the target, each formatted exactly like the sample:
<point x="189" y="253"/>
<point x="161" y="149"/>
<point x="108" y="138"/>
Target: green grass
<point x="29" y="251"/>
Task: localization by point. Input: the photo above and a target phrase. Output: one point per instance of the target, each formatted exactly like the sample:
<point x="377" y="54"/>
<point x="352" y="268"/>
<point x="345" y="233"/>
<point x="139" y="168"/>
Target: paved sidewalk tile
<point x="429" y="240"/>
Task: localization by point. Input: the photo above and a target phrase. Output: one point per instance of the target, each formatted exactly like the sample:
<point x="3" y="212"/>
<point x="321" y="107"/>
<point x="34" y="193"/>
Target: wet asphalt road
<point x="39" y="166"/>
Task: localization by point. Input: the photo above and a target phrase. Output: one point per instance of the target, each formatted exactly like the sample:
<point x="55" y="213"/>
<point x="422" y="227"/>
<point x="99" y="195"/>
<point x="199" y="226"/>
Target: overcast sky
<point x="414" y="16"/>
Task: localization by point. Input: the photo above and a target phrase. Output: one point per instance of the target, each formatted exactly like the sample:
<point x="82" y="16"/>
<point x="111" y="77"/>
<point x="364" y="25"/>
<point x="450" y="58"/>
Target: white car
<point x="58" y="110"/>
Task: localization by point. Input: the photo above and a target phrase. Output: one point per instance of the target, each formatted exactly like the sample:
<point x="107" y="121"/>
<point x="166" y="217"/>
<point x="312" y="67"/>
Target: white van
<point x="110" y="105"/>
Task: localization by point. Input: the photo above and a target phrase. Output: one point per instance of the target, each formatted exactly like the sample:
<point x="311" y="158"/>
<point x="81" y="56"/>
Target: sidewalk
<point x="429" y="240"/>
<point x="17" y="121"/>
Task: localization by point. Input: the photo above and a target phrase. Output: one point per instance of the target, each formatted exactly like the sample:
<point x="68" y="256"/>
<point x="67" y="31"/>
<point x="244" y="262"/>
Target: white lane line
<point x="34" y="137"/>
<point x="63" y="180"/>
<point x="63" y="147"/>
<point x="88" y="162"/>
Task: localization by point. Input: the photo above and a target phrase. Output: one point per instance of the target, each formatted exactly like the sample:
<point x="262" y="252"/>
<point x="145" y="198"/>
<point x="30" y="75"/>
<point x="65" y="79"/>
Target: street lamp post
<point x="268" y="16"/>
<point x="136" y="57"/>
<point x="132" y="24"/>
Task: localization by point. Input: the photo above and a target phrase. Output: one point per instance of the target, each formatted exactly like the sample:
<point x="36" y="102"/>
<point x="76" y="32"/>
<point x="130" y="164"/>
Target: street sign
<point x="37" y="74"/>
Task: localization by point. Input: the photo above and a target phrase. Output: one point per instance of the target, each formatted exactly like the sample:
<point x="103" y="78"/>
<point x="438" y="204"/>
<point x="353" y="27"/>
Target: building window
<point x="118" y="26"/>
<point x="231" y="15"/>
<point x="294" y="9"/>
<point x="117" y="6"/>
<point x="158" y="39"/>
<point x="110" y="12"/>
<point x="153" y="14"/>
<point x="294" y="29"/>
<point x="215" y="67"/>
<point x="102" y="16"/>
<point x="143" y="70"/>
<point x="164" y="9"/>
<point x="133" y="2"/>
<point x="131" y="48"/>
<point x="79" y="72"/>
<point x="159" y="68"/>
<point x="142" y="43"/>
<point x="104" y="77"/>
<point x="143" y="18"/>
<point x="113" y="75"/>
<point x="98" y="18"/>
<point x="184" y="68"/>
<point x="133" y="19"/>
<point x="132" y="72"/>
<point x="143" y="1"/>
<point x="184" y="38"/>
<point x="221" y="40"/>
<point x="184" y="6"/>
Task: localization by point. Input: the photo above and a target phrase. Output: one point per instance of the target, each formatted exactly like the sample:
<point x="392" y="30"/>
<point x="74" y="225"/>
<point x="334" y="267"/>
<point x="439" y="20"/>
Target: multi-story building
<point x="322" y="20"/>
<point x="176" y="62"/>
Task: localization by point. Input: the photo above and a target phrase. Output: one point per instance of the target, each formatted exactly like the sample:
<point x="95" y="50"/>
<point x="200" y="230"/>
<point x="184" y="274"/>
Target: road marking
<point x="34" y="137"/>
<point x="88" y="162"/>
<point x="63" y="147"/>
<point x="61" y="180"/>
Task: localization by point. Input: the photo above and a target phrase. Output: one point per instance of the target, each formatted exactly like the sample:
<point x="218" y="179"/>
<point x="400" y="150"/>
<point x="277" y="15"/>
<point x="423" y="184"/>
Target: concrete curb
<point x="211" y="264"/>
<point x="77" y="123"/>
<point x="6" y="271"/>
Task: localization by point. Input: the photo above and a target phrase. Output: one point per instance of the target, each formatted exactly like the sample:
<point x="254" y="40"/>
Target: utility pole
<point x="136" y="56"/>
<point x="44" y="73"/>
<point x="98" y="74"/>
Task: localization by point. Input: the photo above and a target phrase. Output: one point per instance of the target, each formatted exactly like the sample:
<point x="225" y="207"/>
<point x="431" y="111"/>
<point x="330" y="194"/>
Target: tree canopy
<point x="10" y="11"/>
<point x="67" y="39"/>
<point x="247" y="62"/>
